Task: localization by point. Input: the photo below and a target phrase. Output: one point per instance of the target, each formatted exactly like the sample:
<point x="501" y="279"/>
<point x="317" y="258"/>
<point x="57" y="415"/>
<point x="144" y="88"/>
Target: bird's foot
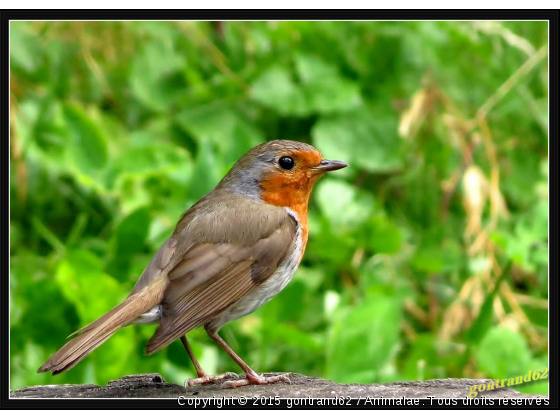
<point x="256" y="380"/>
<point x="211" y="379"/>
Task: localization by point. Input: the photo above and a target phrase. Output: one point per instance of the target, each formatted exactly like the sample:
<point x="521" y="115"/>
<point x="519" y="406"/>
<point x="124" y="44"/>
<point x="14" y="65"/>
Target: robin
<point x="230" y="253"/>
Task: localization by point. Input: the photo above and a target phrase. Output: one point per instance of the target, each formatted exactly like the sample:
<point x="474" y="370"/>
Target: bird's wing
<point x="223" y="264"/>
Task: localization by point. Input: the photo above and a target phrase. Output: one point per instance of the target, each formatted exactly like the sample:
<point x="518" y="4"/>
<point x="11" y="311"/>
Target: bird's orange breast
<point x="292" y="193"/>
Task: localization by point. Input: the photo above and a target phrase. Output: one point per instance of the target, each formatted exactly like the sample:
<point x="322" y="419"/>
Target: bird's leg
<point x="199" y="372"/>
<point x="251" y="377"/>
<point x="203" y="378"/>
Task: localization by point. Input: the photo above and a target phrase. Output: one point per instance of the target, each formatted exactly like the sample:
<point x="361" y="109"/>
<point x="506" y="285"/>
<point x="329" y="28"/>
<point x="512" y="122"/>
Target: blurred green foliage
<point x="428" y="256"/>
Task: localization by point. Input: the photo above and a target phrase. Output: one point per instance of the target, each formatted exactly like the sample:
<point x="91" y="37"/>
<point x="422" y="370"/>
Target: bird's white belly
<point x="258" y="297"/>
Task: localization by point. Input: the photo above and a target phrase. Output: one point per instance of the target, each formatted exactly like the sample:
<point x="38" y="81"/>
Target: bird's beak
<point x="330" y="165"/>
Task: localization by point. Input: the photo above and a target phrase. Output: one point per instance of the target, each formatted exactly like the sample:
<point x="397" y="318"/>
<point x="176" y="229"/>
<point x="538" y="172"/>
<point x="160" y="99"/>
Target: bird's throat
<point x="293" y="194"/>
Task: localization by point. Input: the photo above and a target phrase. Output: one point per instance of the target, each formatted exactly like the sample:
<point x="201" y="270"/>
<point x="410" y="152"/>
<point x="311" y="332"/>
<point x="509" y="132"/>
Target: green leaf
<point x="540" y="386"/>
<point x="312" y="69"/>
<point x="83" y="282"/>
<point x="132" y="231"/>
<point x="150" y="159"/>
<point x="151" y="78"/>
<point x="129" y="240"/>
<point x="432" y="358"/>
<point x="51" y="131"/>
<point x="207" y="170"/>
<point x="366" y="138"/>
<point x="118" y="351"/>
<point x="87" y="150"/>
<point x="228" y="131"/>
<point x="276" y="89"/>
<point x="324" y="89"/>
<point x="288" y="335"/>
<point x="25" y="48"/>
<point x="503" y="353"/>
<point x="385" y="237"/>
<point x="483" y="321"/>
<point x="362" y="339"/>
<point x="34" y="291"/>
<point x="320" y="88"/>
<point x="343" y="204"/>
<point x="429" y="260"/>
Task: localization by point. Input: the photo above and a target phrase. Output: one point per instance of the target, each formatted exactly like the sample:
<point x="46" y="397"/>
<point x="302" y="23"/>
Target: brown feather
<point x="199" y="306"/>
<point x="212" y="277"/>
<point x="99" y="331"/>
<point x="272" y="251"/>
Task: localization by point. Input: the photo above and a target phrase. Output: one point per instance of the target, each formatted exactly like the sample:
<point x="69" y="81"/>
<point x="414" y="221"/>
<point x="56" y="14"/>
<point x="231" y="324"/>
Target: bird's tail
<point x="93" y="335"/>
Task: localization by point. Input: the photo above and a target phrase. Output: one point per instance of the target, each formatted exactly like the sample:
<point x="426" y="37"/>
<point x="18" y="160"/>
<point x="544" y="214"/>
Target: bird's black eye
<point x="286" y="162"/>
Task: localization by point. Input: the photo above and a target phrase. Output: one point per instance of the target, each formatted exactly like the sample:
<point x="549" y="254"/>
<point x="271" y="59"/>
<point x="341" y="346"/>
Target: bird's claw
<point x="211" y="379"/>
<point x="256" y="380"/>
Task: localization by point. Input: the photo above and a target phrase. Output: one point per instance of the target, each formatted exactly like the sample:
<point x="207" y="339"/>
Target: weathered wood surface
<point x="154" y="386"/>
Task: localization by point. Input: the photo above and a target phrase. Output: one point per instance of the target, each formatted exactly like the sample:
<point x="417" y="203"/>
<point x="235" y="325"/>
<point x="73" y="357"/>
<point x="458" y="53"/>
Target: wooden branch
<point x="154" y="386"/>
